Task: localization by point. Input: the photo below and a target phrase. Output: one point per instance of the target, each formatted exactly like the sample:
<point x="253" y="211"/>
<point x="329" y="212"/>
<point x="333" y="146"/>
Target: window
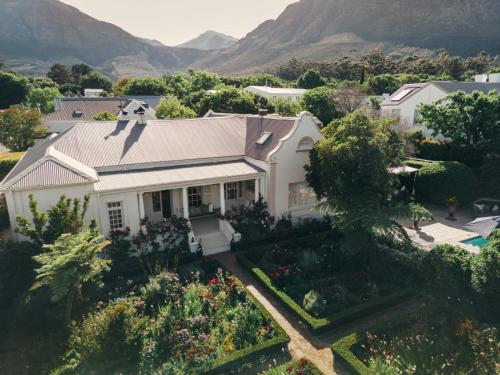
<point x="115" y="215"/>
<point x="305" y="144"/>
<point x="416" y="118"/>
<point x="251" y="185"/>
<point x="301" y="196"/>
<point x="403" y="94"/>
<point x="194" y="196"/>
<point x="264" y="138"/>
<point x="231" y="190"/>
<point x="156" y="196"/>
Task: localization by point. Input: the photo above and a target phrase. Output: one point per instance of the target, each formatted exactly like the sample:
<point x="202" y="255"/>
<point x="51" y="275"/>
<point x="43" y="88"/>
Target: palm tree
<point x="70" y="263"/>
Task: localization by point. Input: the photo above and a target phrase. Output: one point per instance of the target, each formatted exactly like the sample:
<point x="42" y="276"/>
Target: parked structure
<point x="193" y="168"/>
<point x="69" y="111"/>
<point x="403" y="104"/>
<point x="273" y="93"/>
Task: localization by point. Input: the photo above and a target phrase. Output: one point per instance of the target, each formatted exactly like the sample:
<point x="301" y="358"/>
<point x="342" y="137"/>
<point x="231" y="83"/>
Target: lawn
<point x="319" y="282"/>
<point x="436" y="340"/>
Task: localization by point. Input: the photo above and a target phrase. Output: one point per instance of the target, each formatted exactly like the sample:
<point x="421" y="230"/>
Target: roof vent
<point x="77" y="113"/>
<point x="262" y="111"/>
<point x="123" y="116"/>
<point x="264" y="138"/>
<point x="140" y="112"/>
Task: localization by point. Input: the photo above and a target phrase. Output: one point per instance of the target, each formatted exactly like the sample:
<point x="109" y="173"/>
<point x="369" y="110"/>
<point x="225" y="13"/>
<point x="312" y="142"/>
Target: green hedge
<point x="236" y="359"/>
<point x="283" y="367"/>
<point x="437" y="182"/>
<point x="489" y="176"/>
<point x="7" y="161"/>
<point x="322" y="324"/>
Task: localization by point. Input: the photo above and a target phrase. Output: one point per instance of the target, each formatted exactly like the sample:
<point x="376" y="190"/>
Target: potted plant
<point x="452" y="208"/>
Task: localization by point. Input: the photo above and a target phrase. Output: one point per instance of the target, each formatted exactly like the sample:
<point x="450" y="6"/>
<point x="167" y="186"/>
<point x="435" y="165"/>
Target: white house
<point x="193" y="168"/>
<point x="273" y="93"/>
<point x="403" y="104"/>
<point x="69" y="111"/>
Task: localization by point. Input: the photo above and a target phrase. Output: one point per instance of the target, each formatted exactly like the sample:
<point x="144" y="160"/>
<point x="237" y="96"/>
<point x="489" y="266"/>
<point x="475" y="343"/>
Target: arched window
<point x="305" y="144"/>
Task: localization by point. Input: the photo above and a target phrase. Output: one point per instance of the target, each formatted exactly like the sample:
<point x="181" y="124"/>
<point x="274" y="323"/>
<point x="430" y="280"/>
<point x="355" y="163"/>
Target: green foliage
<point x="201" y="80"/>
<point x="384" y="84"/>
<point x="121" y="84"/>
<point x="80" y="70"/>
<point x="253" y="80"/>
<point x="313" y="303"/>
<point x="43" y="98"/>
<point x="105" y="116"/>
<point x="19" y="127"/>
<point x="7" y="161"/>
<point x="64" y="217"/>
<point x="73" y="261"/>
<point x="489" y="176"/>
<point x="70" y="89"/>
<point x="43" y="83"/>
<point x="171" y="107"/>
<point x="60" y="74"/>
<point x="464" y="118"/>
<point x="251" y="220"/>
<point x="145" y="86"/>
<point x="227" y="100"/>
<point x="447" y="270"/>
<point x="310" y="80"/>
<point x="16" y="270"/>
<point x="299" y="367"/>
<point x="96" y="80"/>
<point x="438" y="181"/>
<point x="320" y="103"/>
<point x="286" y="107"/>
<point x="13" y="89"/>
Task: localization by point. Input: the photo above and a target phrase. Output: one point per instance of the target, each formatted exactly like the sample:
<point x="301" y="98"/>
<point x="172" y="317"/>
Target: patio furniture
<point x="485" y="207"/>
<point x="484" y="225"/>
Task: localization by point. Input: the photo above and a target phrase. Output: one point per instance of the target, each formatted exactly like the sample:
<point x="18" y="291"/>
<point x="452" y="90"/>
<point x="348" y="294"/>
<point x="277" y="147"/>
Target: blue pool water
<point x="476" y="241"/>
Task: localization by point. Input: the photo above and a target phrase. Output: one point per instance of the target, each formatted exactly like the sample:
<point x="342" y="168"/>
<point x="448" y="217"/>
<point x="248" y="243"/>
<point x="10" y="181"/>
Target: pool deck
<point x="442" y="230"/>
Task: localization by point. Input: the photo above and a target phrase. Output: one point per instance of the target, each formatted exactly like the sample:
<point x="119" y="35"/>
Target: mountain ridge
<point x="210" y="40"/>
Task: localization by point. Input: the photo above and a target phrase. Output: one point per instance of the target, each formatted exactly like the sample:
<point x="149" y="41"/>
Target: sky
<point x="175" y="21"/>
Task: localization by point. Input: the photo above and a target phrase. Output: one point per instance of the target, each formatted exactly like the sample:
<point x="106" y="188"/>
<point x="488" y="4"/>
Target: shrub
<point x="7" y="161"/>
<point x="436" y="182"/>
<point x="489" y="176"/>
<point x="448" y="270"/>
<point x="314" y="302"/>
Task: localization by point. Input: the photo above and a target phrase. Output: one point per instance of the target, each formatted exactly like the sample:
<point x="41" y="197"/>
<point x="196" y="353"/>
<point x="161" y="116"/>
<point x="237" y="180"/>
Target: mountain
<point x="325" y="29"/>
<point x="36" y="33"/>
<point x="210" y="40"/>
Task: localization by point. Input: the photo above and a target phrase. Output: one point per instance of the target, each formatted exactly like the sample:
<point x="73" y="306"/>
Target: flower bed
<point x="434" y="341"/>
<point x="169" y="326"/>
<point x="322" y="292"/>
<point x="300" y="367"/>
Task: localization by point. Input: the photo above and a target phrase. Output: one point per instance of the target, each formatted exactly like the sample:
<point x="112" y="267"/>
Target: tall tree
<point x="320" y="103"/>
<point x="19" y="127"/>
<point x="43" y="98"/>
<point x="80" y="70"/>
<point x="310" y="80"/>
<point x="13" y="89"/>
<point x="69" y="264"/>
<point x="349" y="170"/>
<point x="60" y="74"/>
<point x="171" y="107"/>
<point x="119" y="89"/>
<point x="464" y="118"/>
<point x="384" y="84"/>
<point x="96" y="80"/>
<point x="227" y="100"/>
<point x="146" y="86"/>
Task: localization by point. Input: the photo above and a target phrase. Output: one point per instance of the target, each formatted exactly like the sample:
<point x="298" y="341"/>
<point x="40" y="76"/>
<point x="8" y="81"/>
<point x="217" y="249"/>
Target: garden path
<point x="303" y="344"/>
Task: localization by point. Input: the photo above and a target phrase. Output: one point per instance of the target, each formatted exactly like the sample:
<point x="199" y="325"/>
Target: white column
<point x="142" y="213"/>
<point x="222" y="199"/>
<point x="257" y="189"/>
<point x="185" y="203"/>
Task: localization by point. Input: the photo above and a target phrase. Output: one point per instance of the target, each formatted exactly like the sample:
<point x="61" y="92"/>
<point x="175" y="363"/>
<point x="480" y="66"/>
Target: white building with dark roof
<point x="403" y="104"/>
<point x="156" y="169"/>
<point x="274" y="93"/>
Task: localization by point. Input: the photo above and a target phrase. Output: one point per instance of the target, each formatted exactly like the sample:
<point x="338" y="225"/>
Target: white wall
<point x="289" y="167"/>
<point x="273" y="96"/>
<point x="427" y="95"/>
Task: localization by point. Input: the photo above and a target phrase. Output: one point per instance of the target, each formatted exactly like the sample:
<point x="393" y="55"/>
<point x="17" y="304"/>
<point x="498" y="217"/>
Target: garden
<point x="325" y="286"/>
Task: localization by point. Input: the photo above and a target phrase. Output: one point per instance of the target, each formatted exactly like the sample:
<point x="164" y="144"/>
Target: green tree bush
<point x="70" y="263"/>
<point x="60" y="74"/>
<point x="7" y="161"/>
<point x="43" y="98"/>
<point x="384" y="84"/>
<point x="227" y="100"/>
<point x="320" y="103"/>
<point x="171" y="107"/>
<point x="43" y="82"/>
<point x="105" y="116"/>
<point x="19" y="127"/>
<point x="146" y="86"/>
<point x="13" y="89"/>
<point x="438" y="181"/>
<point x="310" y="80"/>
<point x="96" y="80"/>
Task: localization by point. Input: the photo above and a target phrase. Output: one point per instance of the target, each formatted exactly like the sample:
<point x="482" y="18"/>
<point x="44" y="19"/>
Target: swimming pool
<point x="476" y="241"/>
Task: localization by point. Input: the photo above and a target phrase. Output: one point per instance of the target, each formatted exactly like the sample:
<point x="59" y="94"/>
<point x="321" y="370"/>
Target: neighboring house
<point x="193" y="168"/>
<point x="69" y="111"/>
<point x="403" y="104"/>
<point x="273" y="93"/>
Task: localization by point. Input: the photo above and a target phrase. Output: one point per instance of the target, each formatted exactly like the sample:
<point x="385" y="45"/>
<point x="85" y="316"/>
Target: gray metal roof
<point x="48" y="173"/>
<point x="175" y="176"/>
<point x="453" y="86"/>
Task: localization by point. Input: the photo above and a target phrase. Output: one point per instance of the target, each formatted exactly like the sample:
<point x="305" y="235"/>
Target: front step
<point x="214" y="243"/>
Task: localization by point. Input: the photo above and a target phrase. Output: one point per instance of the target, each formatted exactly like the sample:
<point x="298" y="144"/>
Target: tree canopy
<point x="469" y="119"/>
<point x="310" y="80"/>
<point x="43" y="98"/>
<point x="13" y="89"/>
<point x="320" y="103"/>
<point x="227" y="100"/>
<point x="105" y="116"/>
<point x="384" y="84"/>
<point x="96" y="80"/>
<point x="171" y="107"/>
<point x="19" y="127"/>
<point x="146" y="86"/>
<point x="60" y="74"/>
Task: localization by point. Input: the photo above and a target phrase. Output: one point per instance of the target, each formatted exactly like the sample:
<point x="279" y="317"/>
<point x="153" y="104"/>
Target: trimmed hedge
<point x="7" y="161"/>
<point x="235" y="359"/>
<point x="438" y="181"/>
<point x="314" y="324"/>
<point x="314" y="369"/>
